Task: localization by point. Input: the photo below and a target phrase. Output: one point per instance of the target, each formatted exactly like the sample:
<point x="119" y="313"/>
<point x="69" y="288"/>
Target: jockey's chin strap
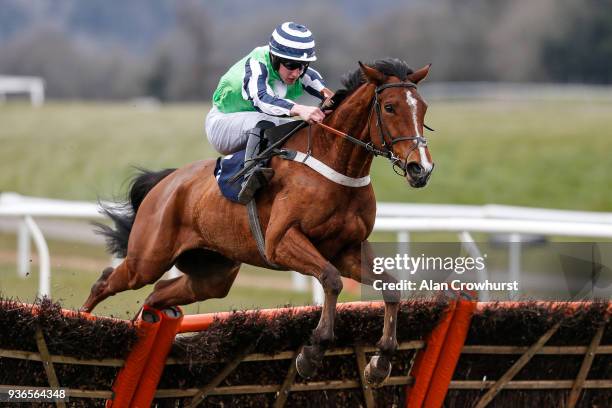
<point x="386" y="139"/>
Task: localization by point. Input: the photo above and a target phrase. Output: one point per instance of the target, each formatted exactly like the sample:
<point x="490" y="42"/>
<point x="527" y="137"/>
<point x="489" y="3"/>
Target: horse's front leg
<point x="296" y="252"/>
<point x="351" y="265"/>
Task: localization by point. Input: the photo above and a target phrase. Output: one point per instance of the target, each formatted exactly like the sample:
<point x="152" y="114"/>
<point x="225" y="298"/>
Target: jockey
<point x="259" y="92"/>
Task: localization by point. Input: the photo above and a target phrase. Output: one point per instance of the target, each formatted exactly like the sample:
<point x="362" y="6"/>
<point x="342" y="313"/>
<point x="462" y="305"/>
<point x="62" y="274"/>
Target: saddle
<point x="229" y="170"/>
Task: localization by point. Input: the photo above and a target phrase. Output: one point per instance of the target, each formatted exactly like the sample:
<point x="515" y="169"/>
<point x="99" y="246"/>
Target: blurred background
<point x="176" y="50"/>
<point x="519" y="94"/>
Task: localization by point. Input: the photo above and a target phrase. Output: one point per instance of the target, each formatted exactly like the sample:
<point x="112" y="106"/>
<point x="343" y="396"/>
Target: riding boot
<point x="259" y="175"/>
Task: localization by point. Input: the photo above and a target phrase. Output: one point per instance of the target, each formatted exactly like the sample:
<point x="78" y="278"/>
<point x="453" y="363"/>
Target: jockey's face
<point x="289" y="76"/>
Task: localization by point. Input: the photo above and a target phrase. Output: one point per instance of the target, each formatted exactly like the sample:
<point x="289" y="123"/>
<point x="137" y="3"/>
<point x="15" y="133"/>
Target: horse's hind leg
<point x="207" y="275"/>
<point x="107" y="285"/>
<point x="119" y="279"/>
<point x="350" y="264"/>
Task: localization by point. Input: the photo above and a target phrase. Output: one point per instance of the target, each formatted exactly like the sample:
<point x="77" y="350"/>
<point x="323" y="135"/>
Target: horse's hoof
<point x="374" y="375"/>
<point x="306" y="367"/>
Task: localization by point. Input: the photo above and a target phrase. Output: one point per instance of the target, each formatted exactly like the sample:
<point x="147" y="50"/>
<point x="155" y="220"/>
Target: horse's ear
<point x="420" y="74"/>
<point x="372" y="75"/>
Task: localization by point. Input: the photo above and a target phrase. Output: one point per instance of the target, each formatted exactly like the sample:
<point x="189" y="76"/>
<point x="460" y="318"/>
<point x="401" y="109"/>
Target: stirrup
<point x="257" y="179"/>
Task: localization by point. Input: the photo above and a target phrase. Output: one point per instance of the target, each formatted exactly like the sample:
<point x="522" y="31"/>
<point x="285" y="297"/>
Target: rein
<point x="368" y="146"/>
<point x="386" y="150"/>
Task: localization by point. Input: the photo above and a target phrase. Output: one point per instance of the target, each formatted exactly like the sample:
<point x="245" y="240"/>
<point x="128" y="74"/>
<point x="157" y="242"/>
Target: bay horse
<point x="311" y="224"/>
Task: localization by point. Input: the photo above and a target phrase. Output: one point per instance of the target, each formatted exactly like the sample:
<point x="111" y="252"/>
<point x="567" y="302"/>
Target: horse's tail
<point x="123" y="214"/>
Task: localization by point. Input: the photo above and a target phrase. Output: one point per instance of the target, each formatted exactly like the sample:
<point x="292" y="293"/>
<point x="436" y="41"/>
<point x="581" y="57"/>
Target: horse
<point x="311" y="224"/>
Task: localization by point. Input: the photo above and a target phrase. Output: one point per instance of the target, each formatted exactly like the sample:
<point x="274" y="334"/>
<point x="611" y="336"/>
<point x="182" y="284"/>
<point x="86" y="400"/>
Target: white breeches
<point x="226" y="132"/>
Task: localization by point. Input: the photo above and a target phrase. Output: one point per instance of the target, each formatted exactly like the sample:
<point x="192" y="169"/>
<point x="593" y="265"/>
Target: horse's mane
<point x="354" y="79"/>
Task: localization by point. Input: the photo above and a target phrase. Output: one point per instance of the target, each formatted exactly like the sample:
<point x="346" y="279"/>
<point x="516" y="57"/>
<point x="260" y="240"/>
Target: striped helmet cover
<point x="293" y="41"/>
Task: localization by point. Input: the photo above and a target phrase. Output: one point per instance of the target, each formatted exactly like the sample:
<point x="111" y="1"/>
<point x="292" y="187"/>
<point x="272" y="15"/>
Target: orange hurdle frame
<point x="136" y="383"/>
<point x="432" y="371"/>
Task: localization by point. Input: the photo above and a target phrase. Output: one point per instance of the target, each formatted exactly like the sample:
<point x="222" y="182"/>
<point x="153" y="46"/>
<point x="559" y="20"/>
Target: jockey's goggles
<point x="292" y="65"/>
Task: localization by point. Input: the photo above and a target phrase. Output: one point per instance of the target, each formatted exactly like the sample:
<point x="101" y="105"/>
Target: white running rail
<point x="394" y="217"/>
<point x="33" y="86"/>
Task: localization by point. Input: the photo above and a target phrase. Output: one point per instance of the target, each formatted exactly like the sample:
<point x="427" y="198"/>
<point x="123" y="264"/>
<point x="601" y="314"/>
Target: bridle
<point x="387" y="140"/>
<point x="398" y="166"/>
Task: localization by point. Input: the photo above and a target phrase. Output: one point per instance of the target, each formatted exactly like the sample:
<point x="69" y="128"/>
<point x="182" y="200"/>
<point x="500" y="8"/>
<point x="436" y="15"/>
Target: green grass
<point x="71" y="282"/>
<point x="533" y="154"/>
<point x="80" y="151"/>
<point x="70" y="287"/>
<point x="548" y="154"/>
<point x="545" y="154"/>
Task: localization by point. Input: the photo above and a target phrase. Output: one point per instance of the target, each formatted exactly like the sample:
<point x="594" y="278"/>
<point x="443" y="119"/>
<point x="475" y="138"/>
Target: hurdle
<point x="468" y="353"/>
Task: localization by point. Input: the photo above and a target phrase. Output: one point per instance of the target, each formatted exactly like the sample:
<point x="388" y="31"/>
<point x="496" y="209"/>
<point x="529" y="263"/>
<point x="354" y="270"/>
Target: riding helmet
<point x="293" y="41"/>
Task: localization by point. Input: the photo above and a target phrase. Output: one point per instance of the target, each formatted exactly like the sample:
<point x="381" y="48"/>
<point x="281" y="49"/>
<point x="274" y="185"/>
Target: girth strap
<point x="255" y="226"/>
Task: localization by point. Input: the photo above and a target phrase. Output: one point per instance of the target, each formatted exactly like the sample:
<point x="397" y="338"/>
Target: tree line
<point x="177" y="50"/>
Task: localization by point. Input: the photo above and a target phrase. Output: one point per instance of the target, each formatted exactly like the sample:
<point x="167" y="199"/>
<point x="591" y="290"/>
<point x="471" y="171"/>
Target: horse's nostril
<point x="414" y="169"/>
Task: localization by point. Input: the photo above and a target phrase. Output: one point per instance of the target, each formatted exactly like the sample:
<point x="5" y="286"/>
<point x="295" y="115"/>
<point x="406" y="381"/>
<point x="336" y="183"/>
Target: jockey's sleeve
<point x="313" y="83"/>
<point x="256" y="89"/>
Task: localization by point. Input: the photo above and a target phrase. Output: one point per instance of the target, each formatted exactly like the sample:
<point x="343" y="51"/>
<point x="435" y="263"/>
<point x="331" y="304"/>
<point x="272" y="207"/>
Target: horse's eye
<point x="389" y="108"/>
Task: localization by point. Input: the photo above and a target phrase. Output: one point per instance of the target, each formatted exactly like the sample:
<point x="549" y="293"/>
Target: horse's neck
<point x="350" y="117"/>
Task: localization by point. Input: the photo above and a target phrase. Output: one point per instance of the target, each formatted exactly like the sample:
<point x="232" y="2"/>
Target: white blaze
<point x="412" y="103"/>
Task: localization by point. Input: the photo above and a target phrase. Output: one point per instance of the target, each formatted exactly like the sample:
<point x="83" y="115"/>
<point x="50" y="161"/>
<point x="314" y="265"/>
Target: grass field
<point x="534" y="154"/>
<point x="75" y="266"/>
<point x="70" y="287"/>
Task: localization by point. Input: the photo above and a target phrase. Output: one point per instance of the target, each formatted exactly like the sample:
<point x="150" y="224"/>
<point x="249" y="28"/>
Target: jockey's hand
<point x="310" y="114"/>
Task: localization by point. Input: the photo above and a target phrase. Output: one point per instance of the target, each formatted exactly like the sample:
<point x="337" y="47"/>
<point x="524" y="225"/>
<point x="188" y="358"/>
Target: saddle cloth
<point x="231" y="164"/>
<point x="225" y="168"/>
